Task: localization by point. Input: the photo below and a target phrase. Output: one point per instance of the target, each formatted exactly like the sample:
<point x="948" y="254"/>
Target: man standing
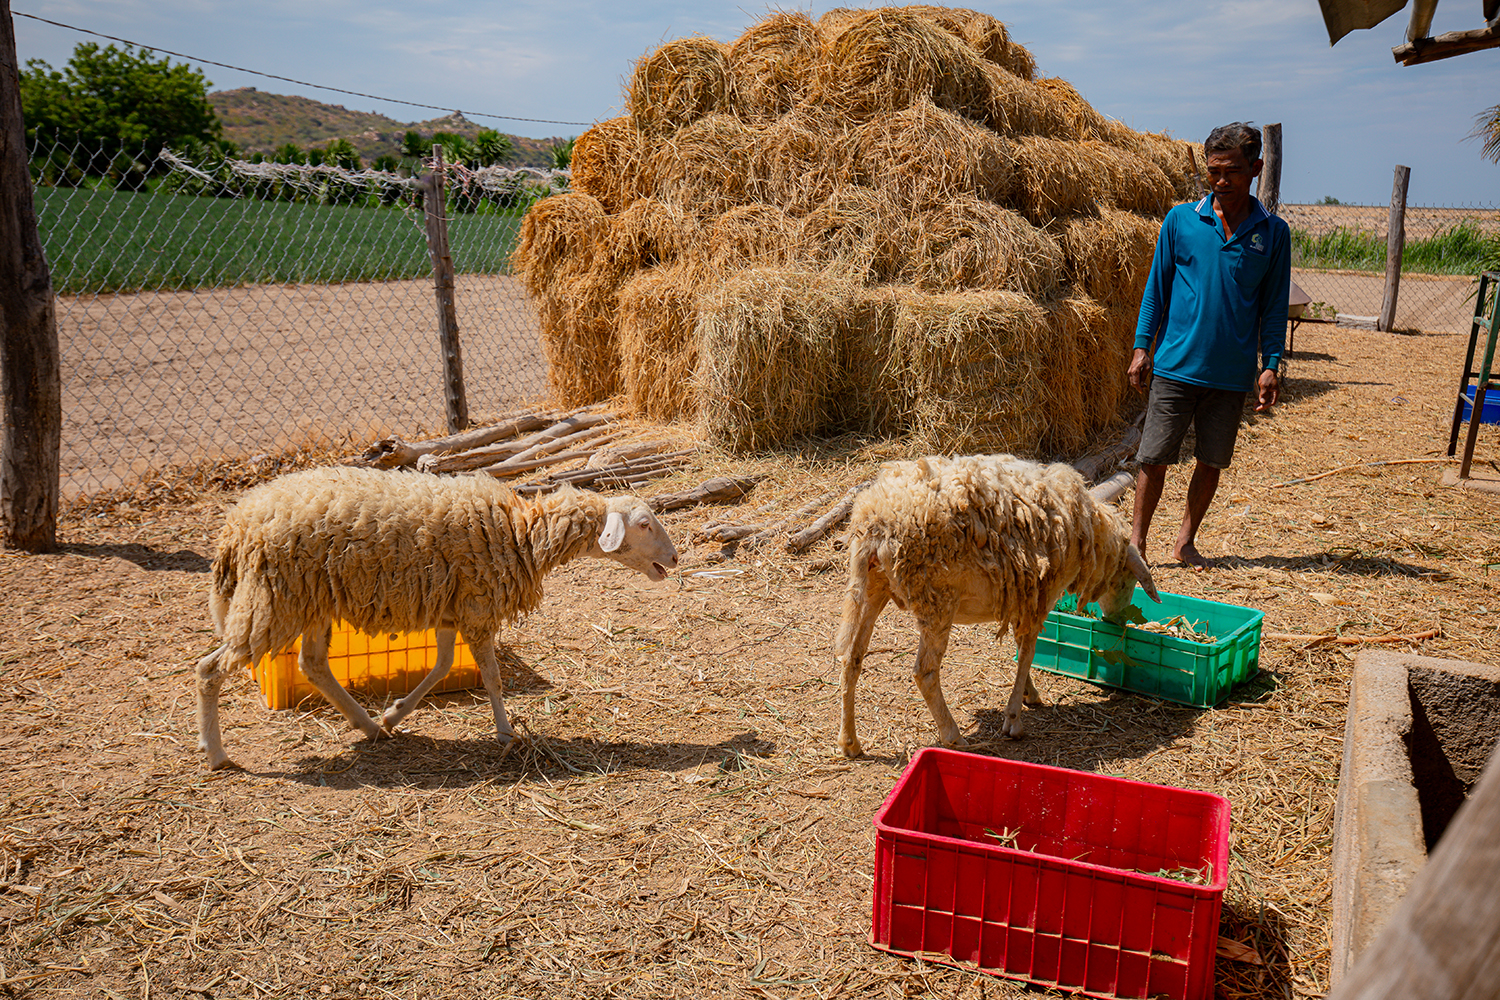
<point x="1214" y="311"/>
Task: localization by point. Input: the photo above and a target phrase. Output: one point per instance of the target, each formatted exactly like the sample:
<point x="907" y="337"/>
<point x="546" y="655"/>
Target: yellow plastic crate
<point x="380" y="665"/>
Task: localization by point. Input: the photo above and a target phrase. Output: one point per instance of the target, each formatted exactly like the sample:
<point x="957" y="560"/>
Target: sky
<point x="1349" y="113"/>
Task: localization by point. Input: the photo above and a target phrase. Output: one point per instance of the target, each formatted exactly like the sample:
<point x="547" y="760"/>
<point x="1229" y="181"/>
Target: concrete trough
<point x="1417" y="736"/>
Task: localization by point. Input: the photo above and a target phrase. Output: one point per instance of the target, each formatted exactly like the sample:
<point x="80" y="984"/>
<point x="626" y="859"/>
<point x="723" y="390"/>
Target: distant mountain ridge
<point x="258" y="122"/>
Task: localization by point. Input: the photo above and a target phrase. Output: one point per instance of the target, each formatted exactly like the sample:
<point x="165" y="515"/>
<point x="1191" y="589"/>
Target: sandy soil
<point x="172" y="378"/>
<point x="679" y="822"/>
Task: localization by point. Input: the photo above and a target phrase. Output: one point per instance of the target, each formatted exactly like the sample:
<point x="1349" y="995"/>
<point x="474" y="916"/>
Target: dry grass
<point x="658" y="352"/>
<point x="708" y="166"/>
<point x="969" y="243"/>
<point x="609" y="163"/>
<point x="755" y="235"/>
<point x="1107" y="254"/>
<point x="679" y="822"/>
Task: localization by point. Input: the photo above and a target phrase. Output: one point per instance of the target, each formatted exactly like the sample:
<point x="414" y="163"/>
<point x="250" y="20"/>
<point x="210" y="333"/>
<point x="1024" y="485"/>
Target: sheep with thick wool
<point x="979" y="538"/>
<point x="398" y="552"/>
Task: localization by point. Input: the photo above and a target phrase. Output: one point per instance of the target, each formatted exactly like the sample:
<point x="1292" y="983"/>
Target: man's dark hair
<point x="1237" y="135"/>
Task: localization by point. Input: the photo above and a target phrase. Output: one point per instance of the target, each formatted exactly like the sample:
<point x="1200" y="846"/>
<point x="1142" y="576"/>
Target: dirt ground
<point x="679" y="822"/>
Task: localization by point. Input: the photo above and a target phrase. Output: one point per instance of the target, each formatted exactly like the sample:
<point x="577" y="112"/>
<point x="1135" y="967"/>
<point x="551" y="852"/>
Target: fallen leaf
<point x="1236" y="952"/>
<point x="1326" y="599"/>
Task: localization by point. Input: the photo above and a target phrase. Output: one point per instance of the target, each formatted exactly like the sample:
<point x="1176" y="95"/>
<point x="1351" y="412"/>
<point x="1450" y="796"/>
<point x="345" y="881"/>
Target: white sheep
<point x="398" y="552"/>
<point x="980" y="538"/>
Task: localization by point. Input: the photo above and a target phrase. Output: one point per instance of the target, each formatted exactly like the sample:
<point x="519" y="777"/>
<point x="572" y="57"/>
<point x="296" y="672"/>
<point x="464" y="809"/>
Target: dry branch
<point x="802" y="540"/>
<point x="392" y="453"/>
<point x="476" y="458"/>
<point x="717" y="490"/>
<point x="1353" y="640"/>
<point x="1359" y="465"/>
<point x="598" y="434"/>
<point x="754" y="534"/>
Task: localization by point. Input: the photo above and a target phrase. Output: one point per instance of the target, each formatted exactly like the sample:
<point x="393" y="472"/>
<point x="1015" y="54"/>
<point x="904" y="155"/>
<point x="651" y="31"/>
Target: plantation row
<point x="101" y="240"/>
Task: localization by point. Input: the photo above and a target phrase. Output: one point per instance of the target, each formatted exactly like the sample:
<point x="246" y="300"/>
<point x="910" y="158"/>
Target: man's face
<point x="1230" y="176"/>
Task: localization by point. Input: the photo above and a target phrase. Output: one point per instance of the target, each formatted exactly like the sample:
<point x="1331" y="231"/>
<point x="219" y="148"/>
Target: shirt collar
<point x="1205" y="210"/>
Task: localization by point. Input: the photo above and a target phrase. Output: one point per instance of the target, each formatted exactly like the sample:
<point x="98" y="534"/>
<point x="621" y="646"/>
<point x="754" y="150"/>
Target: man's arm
<point x="1153" y="313"/>
<point x="1275" y="289"/>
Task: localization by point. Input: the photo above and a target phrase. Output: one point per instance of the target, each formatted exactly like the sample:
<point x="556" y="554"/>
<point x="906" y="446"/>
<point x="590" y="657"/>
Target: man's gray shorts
<point x="1172" y="407"/>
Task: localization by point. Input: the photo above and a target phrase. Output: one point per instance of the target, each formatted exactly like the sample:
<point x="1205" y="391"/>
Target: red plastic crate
<point x="1072" y="904"/>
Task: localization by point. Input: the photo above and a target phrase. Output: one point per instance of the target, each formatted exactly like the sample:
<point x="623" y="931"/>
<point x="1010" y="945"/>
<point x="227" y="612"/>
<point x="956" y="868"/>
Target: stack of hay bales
<point x="880" y="221"/>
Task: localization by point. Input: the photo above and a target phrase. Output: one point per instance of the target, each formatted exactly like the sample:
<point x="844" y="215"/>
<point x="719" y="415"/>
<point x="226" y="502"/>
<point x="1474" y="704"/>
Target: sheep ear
<point x="1137" y="564"/>
<point x="613" y="535"/>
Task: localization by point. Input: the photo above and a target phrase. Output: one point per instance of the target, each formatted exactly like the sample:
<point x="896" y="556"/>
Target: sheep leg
<point x="404" y="707"/>
<point x="211" y="673"/>
<point x="1023" y="690"/>
<point x="930" y="649"/>
<point x="313" y="659"/>
<point x="861" y="608"/>
<point x="489" y="668"/>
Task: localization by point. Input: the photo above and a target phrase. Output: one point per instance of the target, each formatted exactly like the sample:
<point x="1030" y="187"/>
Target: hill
<point x="258" y="122"/>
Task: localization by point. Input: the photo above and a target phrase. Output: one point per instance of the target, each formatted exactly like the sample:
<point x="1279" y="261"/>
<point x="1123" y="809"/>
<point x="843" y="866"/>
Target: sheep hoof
<point x="221" y="762"/>
<point x="1014" y="727"/>
<point x="851" y="747"/>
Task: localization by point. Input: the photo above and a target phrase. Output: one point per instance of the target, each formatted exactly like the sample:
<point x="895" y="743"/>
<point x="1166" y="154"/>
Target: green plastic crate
<point x="1163" y="666"/>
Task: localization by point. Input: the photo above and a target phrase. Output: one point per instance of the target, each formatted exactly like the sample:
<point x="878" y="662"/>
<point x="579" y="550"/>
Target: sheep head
<point x="634" y="538"/>
<point x="1133" y="570"/>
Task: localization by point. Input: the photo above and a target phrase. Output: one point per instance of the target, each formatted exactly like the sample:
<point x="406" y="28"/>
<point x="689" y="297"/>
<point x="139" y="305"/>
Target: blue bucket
<point x="1491" y="414"/>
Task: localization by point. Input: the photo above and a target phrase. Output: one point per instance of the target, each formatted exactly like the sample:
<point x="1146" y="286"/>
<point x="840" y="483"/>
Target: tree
<point x="1487" y="131"/>
<point x="491" y="147"/>
<point x="341" y="153"/>
<point x="562" y="153"/>
<point x="414" y="146"/>
<point x="112" y="101"/>
<point x="289" y="153"/>
<point x="456" y="149"/>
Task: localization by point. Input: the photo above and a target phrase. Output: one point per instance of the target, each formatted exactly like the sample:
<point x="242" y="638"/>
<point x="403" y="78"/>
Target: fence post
<point x="1268" y="190"/>
<point x="1395" y="244"/>
<point x="30" y="454"/>
<point x="442" y="282"/>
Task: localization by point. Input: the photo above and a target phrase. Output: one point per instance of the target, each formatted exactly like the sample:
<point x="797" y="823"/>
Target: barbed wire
<point x="300" y="83"/>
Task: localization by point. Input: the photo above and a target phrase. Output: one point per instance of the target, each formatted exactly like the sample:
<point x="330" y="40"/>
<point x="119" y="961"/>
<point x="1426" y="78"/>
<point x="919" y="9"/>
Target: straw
<point x="922" y="155"/>
<point x="968" y="243"/>
<point x="609" y="163"/>
<point x="680" y="82"/>
<point x="658" y="354"/>
<point x="770" y="65"/>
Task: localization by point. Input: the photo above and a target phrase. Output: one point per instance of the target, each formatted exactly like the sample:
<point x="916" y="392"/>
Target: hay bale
<point x="564" y="232"/>
<point x="649" y="233"/>
<point x="800" y="159"/>
<point x="975" y="365"/>
<point x="1016" y="106"/>
<point x="887" y="59"/>
<point x="1053" y="177"/>
<point x="1180" y="160"/>
<point x="609" y="163"/>
<point x="983" y="33"/>
<point x="1065" y="114"/>
<point x="706" y="166"/>
<point x="869" y="395"/>
<point x="834" y="22"/>
<point x="767" y="355"/>
<point x="855" y="232"/>
<point x="756" y="235"/>
<point x="1100" y="339"/>
<point x="682" y="81"/>
<point x="923" y="156"/>
<point x="771" y="65"/>
<point x="1132" y="181"/>
<point x="578" y="312"/>
<point x="968" y="243"/>
<point x="658" y="351"/>
<point x="1108" y="255"/>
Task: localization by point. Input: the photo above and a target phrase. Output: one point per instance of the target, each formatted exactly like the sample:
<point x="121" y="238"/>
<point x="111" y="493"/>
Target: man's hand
<point x="1140" y="370"/>
<point x="1267" y="391"/>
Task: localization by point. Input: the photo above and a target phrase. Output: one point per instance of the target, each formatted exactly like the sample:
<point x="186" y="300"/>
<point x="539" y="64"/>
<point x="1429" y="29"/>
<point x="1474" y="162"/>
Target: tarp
<point x="1343" y="16"/>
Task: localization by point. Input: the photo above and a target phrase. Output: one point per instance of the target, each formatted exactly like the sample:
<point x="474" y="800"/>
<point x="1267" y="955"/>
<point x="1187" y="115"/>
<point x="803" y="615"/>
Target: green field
<point x="1463" y="249"/>
<point x="109" y="241"/>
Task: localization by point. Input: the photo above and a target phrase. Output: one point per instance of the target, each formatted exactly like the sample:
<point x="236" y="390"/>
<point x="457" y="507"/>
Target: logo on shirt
<point x="1257" y="243"/>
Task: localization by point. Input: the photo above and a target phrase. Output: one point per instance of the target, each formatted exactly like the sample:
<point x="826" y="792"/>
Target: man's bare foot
<point x="1189" y="555"/>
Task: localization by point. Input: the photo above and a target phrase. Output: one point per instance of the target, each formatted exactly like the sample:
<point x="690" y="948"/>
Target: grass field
<point x="108" y="241"/>
<point x="1461" y="249"/>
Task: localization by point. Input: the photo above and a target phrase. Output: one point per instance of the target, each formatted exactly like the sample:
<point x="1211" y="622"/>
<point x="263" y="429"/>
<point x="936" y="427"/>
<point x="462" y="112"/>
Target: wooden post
<point x="1268" y="190"/>
<point x="442" y="283"/>
<point x="32" y="374"/>
<point x="1440" y="942"/>
<point x="1395" y="244"/>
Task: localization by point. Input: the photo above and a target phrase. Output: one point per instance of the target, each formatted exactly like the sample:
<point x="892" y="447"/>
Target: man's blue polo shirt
<point x="1215" y="306"/>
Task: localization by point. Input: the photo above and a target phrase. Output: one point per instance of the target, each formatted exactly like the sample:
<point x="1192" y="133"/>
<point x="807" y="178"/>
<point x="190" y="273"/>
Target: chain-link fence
<point x="1339" y="260"/>
<point x="211" y="308"/>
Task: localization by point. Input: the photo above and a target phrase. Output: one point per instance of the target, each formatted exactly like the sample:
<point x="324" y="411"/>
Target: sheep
<point x="979" y="538"/>
<point x="398" y="552"/>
